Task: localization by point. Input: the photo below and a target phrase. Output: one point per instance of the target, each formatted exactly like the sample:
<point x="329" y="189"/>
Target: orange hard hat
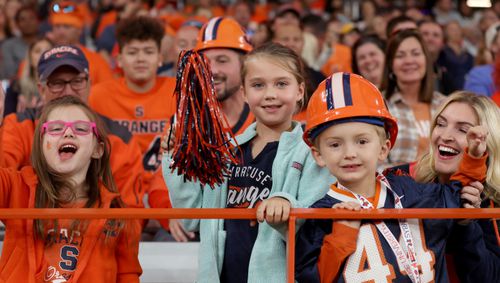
<point x="346" y="97"/>
<point x="221" y="32"/>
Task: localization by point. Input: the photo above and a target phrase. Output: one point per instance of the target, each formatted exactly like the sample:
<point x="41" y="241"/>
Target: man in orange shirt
<point x="63" y="70"/>
<point x="67" y="26"/>
<point x="140" y="101"/>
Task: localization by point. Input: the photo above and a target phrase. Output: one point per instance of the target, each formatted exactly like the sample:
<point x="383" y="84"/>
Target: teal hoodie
<point x="296" y="177"/>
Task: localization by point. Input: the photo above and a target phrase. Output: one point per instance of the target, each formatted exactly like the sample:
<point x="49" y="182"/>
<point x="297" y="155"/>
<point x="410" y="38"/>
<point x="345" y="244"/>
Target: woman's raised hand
<point x="476" y="139"/>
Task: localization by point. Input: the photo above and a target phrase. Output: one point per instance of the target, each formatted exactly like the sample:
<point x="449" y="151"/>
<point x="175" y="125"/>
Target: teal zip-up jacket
<point x="296" y="177"/>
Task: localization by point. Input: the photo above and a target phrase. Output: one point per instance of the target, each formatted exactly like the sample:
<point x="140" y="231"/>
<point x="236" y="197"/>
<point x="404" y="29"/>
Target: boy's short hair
<point x="381" y="133"/>
<point x="140" y="28"/>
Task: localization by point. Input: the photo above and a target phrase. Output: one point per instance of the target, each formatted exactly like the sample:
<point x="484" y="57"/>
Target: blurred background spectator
<point x="14" y="49"/>
<point x="23" y="92"/>
<point x="368" y="58"/>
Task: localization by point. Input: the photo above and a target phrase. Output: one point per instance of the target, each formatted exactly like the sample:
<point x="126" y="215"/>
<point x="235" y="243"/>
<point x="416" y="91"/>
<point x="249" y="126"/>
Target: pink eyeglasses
<point x="58" y="127"/>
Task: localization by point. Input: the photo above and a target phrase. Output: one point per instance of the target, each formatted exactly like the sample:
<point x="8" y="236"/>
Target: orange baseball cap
<point x="66" y="13"/>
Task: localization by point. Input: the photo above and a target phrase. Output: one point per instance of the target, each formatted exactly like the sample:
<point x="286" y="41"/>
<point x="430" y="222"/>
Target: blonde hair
<point x="285" y="58"/>
<point x="381" y="133"/>
<point x="489" y="116"/>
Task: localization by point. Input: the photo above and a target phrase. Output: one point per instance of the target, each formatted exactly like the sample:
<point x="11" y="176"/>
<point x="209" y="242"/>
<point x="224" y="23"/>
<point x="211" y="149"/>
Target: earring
<point x="391" y="76"/>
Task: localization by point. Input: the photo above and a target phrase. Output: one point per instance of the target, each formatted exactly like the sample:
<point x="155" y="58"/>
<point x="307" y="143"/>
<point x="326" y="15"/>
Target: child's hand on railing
<point x="352" y="206"/>
<point x="275" y="210"/>
<point x="476" y="140"/>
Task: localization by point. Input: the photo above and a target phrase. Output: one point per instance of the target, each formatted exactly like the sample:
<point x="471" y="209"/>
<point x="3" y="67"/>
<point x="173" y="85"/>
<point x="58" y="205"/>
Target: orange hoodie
<point x="126" y="158"/>
<point x="97" y="259"/>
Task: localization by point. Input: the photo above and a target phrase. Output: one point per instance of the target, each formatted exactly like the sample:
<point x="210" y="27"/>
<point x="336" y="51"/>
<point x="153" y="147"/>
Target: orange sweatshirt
<point x="19" y="128"/>
<point x="146" y="115"/>
<point x="92" y="257"/>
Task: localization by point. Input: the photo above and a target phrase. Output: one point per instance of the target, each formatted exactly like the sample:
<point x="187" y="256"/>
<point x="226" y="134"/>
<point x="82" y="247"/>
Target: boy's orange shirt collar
<point x="374" y="200"/>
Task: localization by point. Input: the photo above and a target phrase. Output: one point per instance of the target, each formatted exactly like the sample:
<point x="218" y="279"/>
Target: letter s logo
<point x="69" y="256"/>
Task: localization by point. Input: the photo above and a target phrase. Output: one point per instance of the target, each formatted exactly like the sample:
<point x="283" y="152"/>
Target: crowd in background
<point x="415" y="52"/>
<point x="429" y="69"/>
<point x="461" y="40"/>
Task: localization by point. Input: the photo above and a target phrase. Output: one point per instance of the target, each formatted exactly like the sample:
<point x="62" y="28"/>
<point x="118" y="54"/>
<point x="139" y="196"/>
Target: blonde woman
<point x="475" y="248"/>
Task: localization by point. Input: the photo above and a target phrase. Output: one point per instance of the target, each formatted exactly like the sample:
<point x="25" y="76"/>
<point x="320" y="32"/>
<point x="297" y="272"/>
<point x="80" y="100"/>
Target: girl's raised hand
<point x="350" y="205"/>
<point x="476" y="139"/>
<point x="274" y="210"/>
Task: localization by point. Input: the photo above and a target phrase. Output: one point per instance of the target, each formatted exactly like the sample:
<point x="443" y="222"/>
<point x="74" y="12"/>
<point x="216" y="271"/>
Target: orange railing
<point x="219" y="213"/>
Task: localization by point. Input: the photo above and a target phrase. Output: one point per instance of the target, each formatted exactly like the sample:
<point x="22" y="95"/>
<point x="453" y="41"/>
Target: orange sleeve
<point x="99" y="69"/>
<point x="16" y="142"/>
<point x="107" y="19"/>
<point x="127" y="253"/>
<point x="471" y="169"/>
<point x="336" y="247"/>
<point x="6" y="183"/>
<point x="496" y="98"/>
<point x="126" y="165"/>
<point x="158" y="196"/>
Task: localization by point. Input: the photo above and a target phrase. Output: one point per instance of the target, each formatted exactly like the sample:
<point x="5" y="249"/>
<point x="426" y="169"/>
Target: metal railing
<point x="220" y="213"/>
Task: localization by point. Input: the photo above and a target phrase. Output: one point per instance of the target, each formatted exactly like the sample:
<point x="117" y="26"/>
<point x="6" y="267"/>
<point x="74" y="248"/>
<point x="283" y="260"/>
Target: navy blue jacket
<point x="429" y="235"/>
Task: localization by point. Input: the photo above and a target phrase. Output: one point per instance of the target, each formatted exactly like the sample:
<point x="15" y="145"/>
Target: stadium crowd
<point x="433" y="66"/>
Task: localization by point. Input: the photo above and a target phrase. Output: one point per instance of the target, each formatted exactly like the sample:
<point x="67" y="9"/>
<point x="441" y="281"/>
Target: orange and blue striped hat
<point x="222" y="32"/>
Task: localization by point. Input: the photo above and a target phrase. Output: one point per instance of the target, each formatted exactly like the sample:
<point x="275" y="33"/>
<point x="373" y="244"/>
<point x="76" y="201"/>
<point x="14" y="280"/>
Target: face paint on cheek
<point x="48" y="145"/>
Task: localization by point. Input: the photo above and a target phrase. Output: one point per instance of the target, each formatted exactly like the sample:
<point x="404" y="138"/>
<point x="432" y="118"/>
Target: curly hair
<point x="140" y="28"/>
